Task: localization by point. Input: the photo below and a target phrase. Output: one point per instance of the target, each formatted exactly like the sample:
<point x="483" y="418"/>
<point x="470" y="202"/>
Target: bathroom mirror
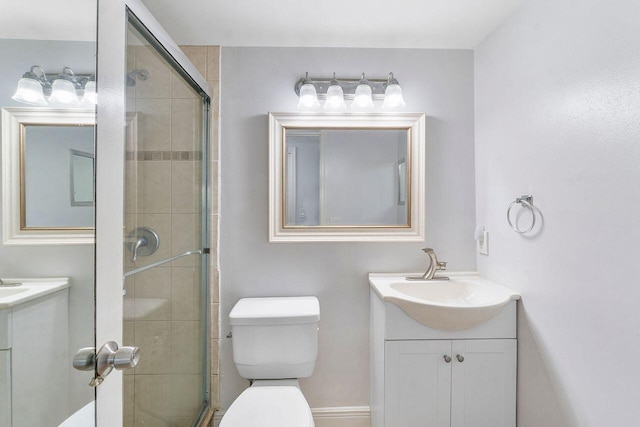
<point x="48" y="170"/>
<point x="346" y="177"/>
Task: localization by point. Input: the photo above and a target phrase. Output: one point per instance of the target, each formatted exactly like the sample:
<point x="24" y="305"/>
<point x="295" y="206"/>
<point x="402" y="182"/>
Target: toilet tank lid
<point x="275" y="311"/>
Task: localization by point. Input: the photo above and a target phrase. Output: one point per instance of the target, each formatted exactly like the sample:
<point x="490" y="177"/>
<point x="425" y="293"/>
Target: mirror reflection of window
<point x="345" y="177"/>
<point x="82" y="170"/>
<point x="50" y="175"/>
<point x="402" y="182"/>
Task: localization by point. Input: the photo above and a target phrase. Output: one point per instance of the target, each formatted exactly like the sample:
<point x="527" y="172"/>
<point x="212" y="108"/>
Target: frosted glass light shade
<point x="335" y="99"/>
<point x="63" y="93"/>
<point x="90" y="98"/>
<point x="362" y="100"/>
<point x="29" y="91"/>
<point x="308" y="97"/>
<point x="393" y="99"/>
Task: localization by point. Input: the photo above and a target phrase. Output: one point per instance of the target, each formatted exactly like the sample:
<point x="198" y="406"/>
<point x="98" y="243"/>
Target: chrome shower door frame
<point x="110" y="129"/>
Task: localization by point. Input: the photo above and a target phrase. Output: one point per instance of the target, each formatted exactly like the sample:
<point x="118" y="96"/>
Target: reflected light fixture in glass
<point x="29" y="90"/>
<point x="90" y="98"/>
<point x="63" y="93"/>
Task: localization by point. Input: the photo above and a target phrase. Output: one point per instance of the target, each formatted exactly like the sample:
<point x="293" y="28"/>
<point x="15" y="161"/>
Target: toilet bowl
<point x="278" y="403"/>
<point x="275" y="342"/>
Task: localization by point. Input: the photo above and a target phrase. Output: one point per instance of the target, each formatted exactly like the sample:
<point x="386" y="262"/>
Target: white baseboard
<point x="341" y="416"/>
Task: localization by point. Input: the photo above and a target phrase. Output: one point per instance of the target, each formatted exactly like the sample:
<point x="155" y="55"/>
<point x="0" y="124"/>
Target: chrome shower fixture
<point x="141" y="74"/>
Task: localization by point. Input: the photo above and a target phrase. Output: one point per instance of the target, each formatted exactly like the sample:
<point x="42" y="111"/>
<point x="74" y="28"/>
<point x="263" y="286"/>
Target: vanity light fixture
<point x="393" y="99"/>
<point x="363" y="97"/>
<point x="361" y="91"/>
<point x="308" y="95"/>
<point x="335" y="96"/>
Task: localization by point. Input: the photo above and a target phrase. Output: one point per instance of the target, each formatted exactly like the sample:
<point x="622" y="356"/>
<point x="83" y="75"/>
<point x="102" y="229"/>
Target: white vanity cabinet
<point x="425" y="377"/>
<point x="34" y="359"/>
<point x="450" y="383"/>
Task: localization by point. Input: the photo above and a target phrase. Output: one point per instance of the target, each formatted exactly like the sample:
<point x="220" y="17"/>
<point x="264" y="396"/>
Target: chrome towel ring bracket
<point x="526" y="202"/>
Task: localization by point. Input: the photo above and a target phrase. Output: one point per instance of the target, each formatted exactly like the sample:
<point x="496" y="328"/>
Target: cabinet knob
<point x="446" y="358"/>
<point x="460" y="358"/>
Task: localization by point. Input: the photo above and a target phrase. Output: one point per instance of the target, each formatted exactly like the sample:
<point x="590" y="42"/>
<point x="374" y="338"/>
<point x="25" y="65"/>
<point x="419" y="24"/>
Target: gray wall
<point x="557" y="108"/>
<point x="76" y="261"/>
<point x="258" y="80"/>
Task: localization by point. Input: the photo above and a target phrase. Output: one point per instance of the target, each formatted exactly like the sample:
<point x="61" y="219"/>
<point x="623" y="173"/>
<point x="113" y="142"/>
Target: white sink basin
<point x="457" y="304"/>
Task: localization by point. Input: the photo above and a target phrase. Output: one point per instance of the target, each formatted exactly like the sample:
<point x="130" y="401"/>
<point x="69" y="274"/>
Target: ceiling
<point x="452" y="24"/>
<point x="455" y="24"/>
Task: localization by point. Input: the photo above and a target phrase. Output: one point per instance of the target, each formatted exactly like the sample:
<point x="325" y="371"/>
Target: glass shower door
<point x="165" y="238"/>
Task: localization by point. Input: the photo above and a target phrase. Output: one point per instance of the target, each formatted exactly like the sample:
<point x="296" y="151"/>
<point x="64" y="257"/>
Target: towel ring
<point x="525" y="201"/>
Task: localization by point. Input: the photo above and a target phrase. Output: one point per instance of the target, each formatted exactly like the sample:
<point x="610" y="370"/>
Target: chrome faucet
<point x="434" y="265"/>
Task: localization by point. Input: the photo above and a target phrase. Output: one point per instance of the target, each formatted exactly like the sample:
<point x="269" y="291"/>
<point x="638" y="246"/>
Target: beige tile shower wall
<point x="161" y="166"/>
<point x="207" y="61"/>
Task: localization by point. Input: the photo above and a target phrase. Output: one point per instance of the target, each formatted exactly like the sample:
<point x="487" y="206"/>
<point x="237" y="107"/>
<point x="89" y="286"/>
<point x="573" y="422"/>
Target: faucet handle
<point x="442" y="265"/>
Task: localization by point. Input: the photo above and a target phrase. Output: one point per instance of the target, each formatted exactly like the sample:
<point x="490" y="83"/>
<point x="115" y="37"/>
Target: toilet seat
<point x="269" y="406"/>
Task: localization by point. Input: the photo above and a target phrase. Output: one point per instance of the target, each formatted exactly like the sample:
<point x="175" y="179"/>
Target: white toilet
<point x="275" y="342"/>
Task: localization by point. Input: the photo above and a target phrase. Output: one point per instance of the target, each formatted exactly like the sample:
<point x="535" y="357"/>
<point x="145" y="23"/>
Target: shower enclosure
<point x="165" y="237"/>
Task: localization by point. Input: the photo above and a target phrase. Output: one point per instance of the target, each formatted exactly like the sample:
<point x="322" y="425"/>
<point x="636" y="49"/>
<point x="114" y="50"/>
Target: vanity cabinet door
<point x="483" y="391"/>
<point x="417" y="383"/>
<point x="5" y="387"/>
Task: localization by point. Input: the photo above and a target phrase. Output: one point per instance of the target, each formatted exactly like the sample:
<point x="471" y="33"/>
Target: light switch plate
<point x="483" y="245"/>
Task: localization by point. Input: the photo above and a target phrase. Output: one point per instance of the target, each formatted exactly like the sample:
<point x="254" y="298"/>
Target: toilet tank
<point x="274" y="338"/>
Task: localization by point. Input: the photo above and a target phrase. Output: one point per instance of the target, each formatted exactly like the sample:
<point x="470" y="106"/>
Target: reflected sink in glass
<point x="28" y="290"/>
<point x="6" y="292"/>
<point x="464" y="301"/>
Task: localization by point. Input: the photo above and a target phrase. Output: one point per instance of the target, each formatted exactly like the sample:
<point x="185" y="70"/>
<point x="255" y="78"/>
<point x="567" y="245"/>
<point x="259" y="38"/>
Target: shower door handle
<point x="108" y="358"/>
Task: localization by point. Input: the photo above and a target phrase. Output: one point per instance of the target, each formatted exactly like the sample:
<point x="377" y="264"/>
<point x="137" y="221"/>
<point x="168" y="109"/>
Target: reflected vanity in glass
<point x="48" y="170"/>
<point x="350" y="177"/>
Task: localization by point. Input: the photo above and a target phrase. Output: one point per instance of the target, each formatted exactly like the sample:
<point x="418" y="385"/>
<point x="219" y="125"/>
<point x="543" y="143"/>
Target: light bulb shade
<point x="29" y="91"/>
<point x="90" y="98"/>
<point x="393" y="99"/>
<point x="335" y="99"/>
<point x="63" y="93"/>
<point x="362" y="100"/>
<point x="308" y="97"/>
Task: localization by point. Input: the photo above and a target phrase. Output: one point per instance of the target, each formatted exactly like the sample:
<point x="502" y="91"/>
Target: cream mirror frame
<point x="414" y="229"/>
<point x="14" y="122"/>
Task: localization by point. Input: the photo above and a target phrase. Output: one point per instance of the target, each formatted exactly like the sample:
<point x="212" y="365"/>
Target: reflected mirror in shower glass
<point x="82" y="172"/>
<point x="56" y="187"/>
<point x="44" y="389"/>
